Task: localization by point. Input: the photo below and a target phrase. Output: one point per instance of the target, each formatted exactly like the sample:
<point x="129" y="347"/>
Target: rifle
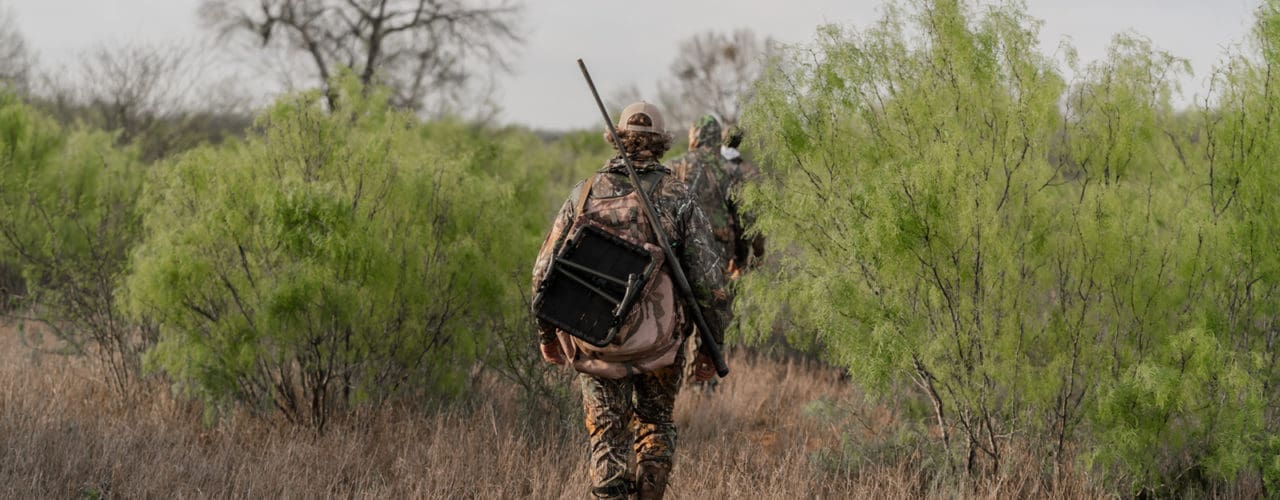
<point x="709" y="345"/>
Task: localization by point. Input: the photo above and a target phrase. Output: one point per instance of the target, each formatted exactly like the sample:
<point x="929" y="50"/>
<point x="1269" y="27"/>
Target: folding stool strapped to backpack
<point x="595" y="279"/>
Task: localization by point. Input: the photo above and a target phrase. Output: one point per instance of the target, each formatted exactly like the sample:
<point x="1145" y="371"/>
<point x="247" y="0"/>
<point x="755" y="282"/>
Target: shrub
<point x="1039" y="259"/>
<point x="68" y="220"/>
<point x="329" y="259"/>
<point x="1238" y="148"/>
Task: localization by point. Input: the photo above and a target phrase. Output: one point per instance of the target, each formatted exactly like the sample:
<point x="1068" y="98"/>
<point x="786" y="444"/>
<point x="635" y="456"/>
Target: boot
<point x="651" y="480"/>
<point x="620" y="488"/>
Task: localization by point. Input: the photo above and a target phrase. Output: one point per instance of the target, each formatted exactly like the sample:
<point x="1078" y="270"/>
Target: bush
<point x="1238" y="147"/>
<point x="331" y="258"/>
<point x="69" y="220"/>
<point x="1039" y="259"/>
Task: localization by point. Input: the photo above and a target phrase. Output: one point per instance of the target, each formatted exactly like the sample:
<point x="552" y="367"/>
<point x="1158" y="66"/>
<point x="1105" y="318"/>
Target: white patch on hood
<point x="729" y="153"/>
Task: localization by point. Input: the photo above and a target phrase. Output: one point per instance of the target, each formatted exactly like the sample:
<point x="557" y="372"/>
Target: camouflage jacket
<point x="702" y="170"/>
<point x="686" y="227"/>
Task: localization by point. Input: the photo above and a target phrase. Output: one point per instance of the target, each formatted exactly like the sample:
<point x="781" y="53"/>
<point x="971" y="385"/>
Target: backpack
<point x="644" y="334"/>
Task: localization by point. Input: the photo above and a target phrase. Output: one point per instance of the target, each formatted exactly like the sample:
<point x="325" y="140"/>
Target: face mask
<point x="729" y="153"/>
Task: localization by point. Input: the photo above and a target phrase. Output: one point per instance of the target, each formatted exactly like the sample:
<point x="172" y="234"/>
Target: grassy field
<point x="762" y="435"/>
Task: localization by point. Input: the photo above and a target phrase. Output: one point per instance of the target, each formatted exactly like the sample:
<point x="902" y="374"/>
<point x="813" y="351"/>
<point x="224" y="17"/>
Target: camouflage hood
<point x="733" y="135"/>
<point x="705" y="133"/>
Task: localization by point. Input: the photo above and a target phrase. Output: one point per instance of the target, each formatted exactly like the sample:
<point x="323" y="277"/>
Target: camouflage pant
<point x="626" y="414"/>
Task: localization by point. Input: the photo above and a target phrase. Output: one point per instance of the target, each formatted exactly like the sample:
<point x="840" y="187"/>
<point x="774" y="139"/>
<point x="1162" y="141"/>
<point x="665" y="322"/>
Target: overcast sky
<point x="634" y="42"/>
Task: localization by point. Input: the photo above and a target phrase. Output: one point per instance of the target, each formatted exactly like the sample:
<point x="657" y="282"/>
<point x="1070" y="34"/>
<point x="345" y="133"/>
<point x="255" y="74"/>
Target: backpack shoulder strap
<point x="653" y="186"/>
<point x="585" y="193"/>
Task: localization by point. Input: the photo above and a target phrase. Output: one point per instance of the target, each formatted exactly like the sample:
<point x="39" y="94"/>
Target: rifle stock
<point x="709" y="346"/>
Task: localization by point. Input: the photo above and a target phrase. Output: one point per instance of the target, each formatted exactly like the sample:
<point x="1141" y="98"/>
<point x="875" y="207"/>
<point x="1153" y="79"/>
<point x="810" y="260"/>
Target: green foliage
<point x="327" y="259"/>
<point x="888" y="145"/>
<point x="330" y="258"/>
<point x="568" y="159"/>
<point x="1191" y="405"/>
<point x="1041" y="259"/>
<point x="1239" y="150"/>
<point x="68" y="219"/>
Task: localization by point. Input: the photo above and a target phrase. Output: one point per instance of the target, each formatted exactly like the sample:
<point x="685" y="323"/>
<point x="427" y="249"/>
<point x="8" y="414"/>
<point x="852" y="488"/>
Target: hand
<point x="733" y="271"/>
<point x="703" y="368"/>
<point x="551" y="353"/>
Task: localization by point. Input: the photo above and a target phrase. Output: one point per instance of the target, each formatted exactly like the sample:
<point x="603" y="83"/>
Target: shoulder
<point x="681" y="161"/>
<point x="672" y="187"/>
<point x="576" y="192"/>
<point x="700" y="157"/>
<point x="708" y="160"/>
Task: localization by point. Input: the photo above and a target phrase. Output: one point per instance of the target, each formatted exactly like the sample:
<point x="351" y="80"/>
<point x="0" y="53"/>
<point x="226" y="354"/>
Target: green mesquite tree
<point x="1037" y="258"/>
<point x="68" y="220"/>
<point x="331" y="258"/>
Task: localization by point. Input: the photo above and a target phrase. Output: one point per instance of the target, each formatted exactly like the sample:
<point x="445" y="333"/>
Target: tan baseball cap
<point x="641" y="108"/>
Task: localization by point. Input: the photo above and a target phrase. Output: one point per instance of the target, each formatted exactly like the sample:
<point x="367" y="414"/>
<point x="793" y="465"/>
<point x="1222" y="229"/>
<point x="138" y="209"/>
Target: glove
<point x="552" y="353"/>
<point x="703" y="368"/>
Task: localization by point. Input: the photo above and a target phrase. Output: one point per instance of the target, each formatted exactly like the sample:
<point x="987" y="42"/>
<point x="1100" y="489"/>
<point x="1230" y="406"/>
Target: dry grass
<point x="62" y="434"/>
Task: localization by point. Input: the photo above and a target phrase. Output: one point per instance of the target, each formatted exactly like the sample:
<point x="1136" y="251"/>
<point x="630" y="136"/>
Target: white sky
<point x="634" y="42"/>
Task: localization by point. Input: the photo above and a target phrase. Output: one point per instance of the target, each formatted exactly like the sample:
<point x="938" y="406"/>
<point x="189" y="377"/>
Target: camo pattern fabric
<point x="651" y="333"/>
<point x="705" y="133"/>
<point x="685" y="225"/>
<point x="702" y="171"/>
<point x="633" y="413"/>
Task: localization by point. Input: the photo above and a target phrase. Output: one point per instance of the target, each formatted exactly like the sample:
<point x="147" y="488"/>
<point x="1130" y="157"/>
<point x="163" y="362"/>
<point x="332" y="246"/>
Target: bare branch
<point x="713" y="73"/>
<point x="16" y="59"/>
<point x="424" y="50"/>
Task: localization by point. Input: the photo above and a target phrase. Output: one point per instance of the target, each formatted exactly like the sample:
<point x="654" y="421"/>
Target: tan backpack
<point x="649" y="338"/>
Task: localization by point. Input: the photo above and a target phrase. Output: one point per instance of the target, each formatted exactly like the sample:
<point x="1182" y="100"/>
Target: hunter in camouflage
<point x="702" y="170"/>
<point x="644" y="399"/>
<point x="739" y="171"/>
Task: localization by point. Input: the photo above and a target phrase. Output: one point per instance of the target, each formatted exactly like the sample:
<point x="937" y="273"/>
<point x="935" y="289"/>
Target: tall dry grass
<point x="64" y="434"/>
